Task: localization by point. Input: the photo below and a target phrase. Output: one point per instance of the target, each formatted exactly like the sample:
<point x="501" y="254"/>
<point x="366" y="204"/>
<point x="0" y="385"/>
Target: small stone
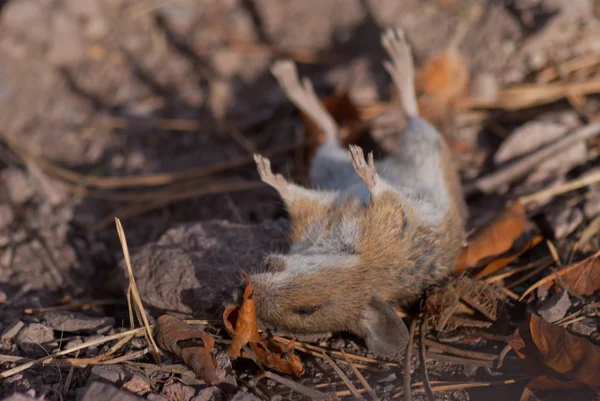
<point x="7" y="216"/>
<point x="99" y="391"/>
<point x="244" y="395"/>
<point x="74" y="342"/>
<point x="584" y="328"/>
<point x="36" y="338"/>
<point x="180" y="16"/>
<point x="137" y="383"/>
<point x="18" y="185"/>
<point x="73" y="322"/>
<point x="212" y="393"/>
<point x="565" y="221"/>
<point x="537" y="60"/>
<point x="484" y="87"/>
<point x="338" y="344"/>
<point x="11" y="331"/>
<point x="177" y="391"/>
<point x="18" y="397"/>
<point x="66" y="47"/>
<point x="225" y="371"/>
<point x="556" y="307"/>
<point x="93" y="351"/>
<point x="156" y="397"/>
<point x="111" y="373"/>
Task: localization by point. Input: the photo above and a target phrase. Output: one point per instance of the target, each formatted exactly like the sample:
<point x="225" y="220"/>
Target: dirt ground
<point x="150" y="111"/>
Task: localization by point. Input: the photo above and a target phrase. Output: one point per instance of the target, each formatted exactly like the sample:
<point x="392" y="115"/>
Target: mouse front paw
<point x="263" y="165"/>
<point x="365" y="170"/>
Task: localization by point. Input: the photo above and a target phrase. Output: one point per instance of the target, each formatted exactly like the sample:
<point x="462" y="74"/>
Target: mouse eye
<point x="306" y="310"/>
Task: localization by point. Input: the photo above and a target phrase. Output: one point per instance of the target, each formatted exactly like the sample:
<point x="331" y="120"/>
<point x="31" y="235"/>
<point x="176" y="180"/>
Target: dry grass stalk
<point x="458" y="386"/>
<point x="426" y="383"/>
<point x="132" y="289"/>
<point x="554" y="276"/>
<point x="343" y="376"/>
<point x="407" y="359"/>
<point x="297" y="387"/>
<point x="512" y="171"/>
<point x="360" y="377"/>
<point x="51" y="358"/>
<point x="573" y="185"/>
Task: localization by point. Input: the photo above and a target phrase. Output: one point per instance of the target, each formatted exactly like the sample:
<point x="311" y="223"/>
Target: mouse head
<point x="323" y="285"/>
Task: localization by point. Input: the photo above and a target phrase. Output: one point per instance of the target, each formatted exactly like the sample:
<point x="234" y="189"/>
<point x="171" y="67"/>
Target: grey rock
<point x="16" y="182"/>
<point x="585" y="327"/>
<point x="36" y="338"/>
<point x="73" y="322"/>
<point x="110" y="373"/>
<point x="555" y="307"/>
<point x="212" y="393"/>
<point x="100" y="391"/>
<point x="11" y="331"/>
<point x="156" y="397"/>
<point x="225" y="371"/>
<point x="92" y="351"/>
<point x="194" y="269"/>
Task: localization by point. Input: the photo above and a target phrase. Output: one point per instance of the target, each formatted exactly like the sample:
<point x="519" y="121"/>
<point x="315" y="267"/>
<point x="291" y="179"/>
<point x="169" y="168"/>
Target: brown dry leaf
<point x="279" y="358"/>
<point x="584" y="277"/>
<point x="246" y="326"/>
<point x="503" y="261"/>
<point x="495" y="239"/>
<point x="191" y="344"/>
<point x="440" y="83"/>
<point x="552" y="351"/>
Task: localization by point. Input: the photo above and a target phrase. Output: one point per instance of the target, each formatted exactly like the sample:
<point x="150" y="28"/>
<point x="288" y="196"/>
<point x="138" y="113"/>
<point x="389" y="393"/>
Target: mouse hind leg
<point x="331" y="169"/>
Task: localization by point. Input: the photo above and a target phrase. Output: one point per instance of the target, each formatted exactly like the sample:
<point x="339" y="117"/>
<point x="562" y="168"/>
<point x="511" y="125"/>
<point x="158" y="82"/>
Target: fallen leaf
<point x="509" y="257"/>
<point x="550" y="350"/>
<point x="584" y="277"/>
<point x="441" y="81"/>
<point x="191" y="344"/>
<point x="495" y="239"/>
<point x="281" y="359"/>
<point x="246" y="325"/>
<point x="581" y="278"/>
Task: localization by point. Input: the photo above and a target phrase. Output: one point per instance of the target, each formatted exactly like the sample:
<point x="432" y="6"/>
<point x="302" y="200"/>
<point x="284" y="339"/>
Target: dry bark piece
<point x="495" y="239"/>
<point x="191" y="344"/>
<point x="278" y="357"/>
<point x="550" y="350"/>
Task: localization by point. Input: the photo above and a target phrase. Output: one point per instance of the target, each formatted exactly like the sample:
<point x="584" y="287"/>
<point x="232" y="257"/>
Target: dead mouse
<point x="368" y="233"/>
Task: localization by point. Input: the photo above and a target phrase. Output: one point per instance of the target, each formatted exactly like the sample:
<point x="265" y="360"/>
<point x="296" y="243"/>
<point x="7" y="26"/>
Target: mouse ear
<point x="384" y="332"/>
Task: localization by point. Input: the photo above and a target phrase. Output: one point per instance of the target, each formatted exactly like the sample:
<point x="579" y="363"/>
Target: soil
<point x="120" y="88"/>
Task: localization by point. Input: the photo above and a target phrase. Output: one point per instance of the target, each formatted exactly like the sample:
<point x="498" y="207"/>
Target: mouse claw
<point x="263" y="165"/>
<point x="365" y="169"/>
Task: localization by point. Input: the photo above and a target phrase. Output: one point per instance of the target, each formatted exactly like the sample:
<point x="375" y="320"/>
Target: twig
<point x="407" y="359"/>
<point x="457" y="351"/>
<point x="456" y="386"/>
<point x="557" y="274"/>
<point x="299" y="388"/>
<point x="491" y="182"/>
<point x="72" y="306"/>
<point x="134" y="292"/>
<point x="532" y="273"/>
<point x="343" y="376"/>
<point x="502" y="355"/>
<point x="459" y="360"/>
<point x="426" y="383"/>
<point x="360" y="377"/>
<point x="561" y="189"/>
<point x="47" y="359"/>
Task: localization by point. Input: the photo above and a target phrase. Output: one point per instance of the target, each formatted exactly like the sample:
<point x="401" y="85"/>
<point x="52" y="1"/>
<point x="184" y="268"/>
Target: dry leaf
<point x="241" y="323"/>
<point x="583" y="278"/>
<point x="495" y="239"/>
<point x="246" y="326"/>
<point x="281" y="359"/>
<point x="346" y="115"/>
<point x="552" y="351"/>
<point x="191" y="344"/>
<point x="505" y="260"/>
<point x="440" y="83"/>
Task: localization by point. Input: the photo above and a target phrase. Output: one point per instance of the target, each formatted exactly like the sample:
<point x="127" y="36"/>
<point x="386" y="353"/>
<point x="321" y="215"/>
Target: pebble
<point x="11" y="331"/>
<point x="36" y="338"/>
<point x="555" y="307"/>
<point x="73" y="322"/>
<point x="18" y="185"/>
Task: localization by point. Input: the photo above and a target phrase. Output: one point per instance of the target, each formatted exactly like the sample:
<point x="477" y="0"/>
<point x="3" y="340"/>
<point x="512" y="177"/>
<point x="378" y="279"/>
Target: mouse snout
<point x="274" y="263"/>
